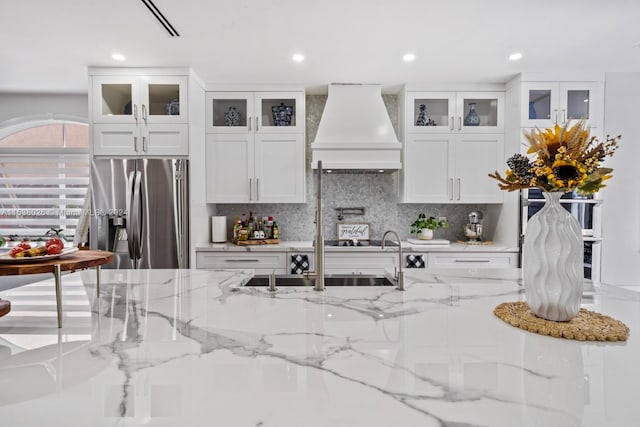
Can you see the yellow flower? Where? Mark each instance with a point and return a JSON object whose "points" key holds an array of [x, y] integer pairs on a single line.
{"points": [[566, 174]]}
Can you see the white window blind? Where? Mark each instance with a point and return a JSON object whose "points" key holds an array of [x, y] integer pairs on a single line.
{"points": [[39, 192]]}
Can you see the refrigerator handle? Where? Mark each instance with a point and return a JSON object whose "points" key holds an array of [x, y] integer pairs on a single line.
{"points": [[137, 219], [130, 215], [179, 203]]}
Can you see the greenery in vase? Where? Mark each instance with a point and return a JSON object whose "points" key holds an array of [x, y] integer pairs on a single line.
{"points": [[430, 223]]}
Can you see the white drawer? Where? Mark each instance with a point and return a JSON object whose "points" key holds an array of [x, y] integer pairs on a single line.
{"points": [[262, 263], [359, 263], [473, 259]]}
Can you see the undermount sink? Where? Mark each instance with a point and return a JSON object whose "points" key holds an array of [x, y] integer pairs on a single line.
{"points": [[333, 280]]}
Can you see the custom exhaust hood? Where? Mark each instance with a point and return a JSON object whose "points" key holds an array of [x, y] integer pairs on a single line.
{"points": [[355, 131]]}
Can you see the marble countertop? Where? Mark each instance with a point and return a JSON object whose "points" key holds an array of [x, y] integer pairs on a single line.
{"points": [[197, 348], [307, 246]]}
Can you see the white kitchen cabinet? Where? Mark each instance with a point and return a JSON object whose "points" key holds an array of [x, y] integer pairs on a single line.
{"points": [[142, 140], [446, 112], [244, 168], [547, 103], [450, 168], [255, 112], [473, 259], [136, 99], [138, 112], [262, 263], [249, 158]]}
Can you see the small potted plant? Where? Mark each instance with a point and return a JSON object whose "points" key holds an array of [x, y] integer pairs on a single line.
{"points": [[424, 226]]}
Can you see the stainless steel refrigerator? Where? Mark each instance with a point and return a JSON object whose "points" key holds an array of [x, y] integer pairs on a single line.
{"points": [[140, 212]]}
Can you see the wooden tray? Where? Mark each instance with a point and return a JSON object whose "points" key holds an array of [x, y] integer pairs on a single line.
{"points": [[258, 242]]}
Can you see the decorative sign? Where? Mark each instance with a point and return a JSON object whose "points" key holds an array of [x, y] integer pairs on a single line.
{"points": [[354, 231]]}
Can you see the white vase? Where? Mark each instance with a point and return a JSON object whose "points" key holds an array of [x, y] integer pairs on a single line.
{"points": [[425, 234], [553, 262]]}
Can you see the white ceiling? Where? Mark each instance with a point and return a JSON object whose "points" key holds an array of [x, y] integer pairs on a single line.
{"points": [[47, 46]]}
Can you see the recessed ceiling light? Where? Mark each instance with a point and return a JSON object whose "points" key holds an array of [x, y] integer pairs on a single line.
{"points": [[118, 57], [298, 57], [408, 57], [329, 171], [381, 170], [515, 56]]}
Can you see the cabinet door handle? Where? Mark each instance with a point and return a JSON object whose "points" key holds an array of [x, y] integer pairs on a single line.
{"points": [[257, 124], [471, 260], [135, 112], [144, 113], [242, 260], [135, 143], [451, 121], [257, 188], [250, 189], [144, 144], [450, 189], [458, 188], [460, 123], [564, 115], [555, 120], [249, 124]]}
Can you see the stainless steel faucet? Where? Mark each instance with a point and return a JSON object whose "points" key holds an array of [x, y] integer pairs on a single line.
{"points": [[400, 274], [318, 274]]}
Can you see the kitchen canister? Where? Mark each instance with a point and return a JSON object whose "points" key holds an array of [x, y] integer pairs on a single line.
{"points": [[218, 229]]}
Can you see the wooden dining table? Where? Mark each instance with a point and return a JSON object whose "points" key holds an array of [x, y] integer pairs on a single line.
{"points": [[79, 260]]}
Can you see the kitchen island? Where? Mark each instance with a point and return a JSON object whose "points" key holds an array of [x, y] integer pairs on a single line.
{"points": [[197, 348]]}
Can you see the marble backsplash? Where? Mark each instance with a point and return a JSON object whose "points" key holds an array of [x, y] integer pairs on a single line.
{"points": [[377, 193]]}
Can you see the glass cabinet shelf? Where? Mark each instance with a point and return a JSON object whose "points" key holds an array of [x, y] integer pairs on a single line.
{"points": [[116, 99], [139, 99], [241, 112], [164, 99], [467, 112], [229, 112]]}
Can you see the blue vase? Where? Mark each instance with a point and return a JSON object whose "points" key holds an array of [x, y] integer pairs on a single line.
{"points": [[472, 118]]}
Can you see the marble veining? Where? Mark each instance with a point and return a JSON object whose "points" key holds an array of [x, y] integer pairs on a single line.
{"points": [[199, 348]]}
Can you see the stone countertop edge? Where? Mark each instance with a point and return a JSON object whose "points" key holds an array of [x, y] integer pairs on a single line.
{"points": [[307, 247]]}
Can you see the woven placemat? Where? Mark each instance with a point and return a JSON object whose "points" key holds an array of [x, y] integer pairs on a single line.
{"points": [[586, 326]]}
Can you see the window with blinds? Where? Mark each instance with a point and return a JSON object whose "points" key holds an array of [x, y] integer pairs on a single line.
{"points": [[44, 177]]}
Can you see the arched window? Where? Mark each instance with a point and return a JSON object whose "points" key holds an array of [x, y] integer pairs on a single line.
{"points": [[44, 176]]}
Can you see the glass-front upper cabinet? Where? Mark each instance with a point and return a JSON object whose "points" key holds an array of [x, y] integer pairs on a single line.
{"points": [[548, 103], [255, 112], [139, 99], [445, 112]]}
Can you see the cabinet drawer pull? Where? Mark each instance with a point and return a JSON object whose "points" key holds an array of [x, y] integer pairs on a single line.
{"points": [[242, 260], [471, 260]]}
